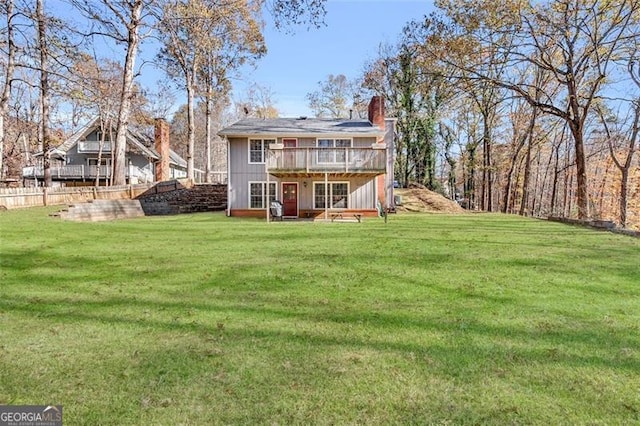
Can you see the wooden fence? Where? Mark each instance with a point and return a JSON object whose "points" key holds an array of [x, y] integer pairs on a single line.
{"points": [[11, 198]]}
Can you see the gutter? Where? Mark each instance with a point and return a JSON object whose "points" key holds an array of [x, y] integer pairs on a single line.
{"points": [[344, 135]]}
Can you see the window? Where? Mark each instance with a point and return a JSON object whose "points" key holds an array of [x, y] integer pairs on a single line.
{"points": [[258, 194], [94, 161], [333, 155], [290, 143], [99, 136], [257, 150], [338, 195]]}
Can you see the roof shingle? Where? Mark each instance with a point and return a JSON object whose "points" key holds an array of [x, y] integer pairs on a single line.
{"points": [[301, 127]]}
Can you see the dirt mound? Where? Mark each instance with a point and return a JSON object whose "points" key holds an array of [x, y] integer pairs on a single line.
{"points": [[422, 200]]}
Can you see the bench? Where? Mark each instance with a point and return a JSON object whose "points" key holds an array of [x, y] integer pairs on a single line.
{"points": [[343, 215]]}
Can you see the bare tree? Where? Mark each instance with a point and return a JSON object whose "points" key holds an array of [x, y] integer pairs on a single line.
{"points": [[574, 40], [336, 97], [295, 12], [622, 147], [122, 21], [195, 36], [258, 101], [45, 133], [9, 68]]}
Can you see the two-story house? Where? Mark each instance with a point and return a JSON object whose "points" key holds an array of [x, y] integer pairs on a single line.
{"points": [[87, 155], [315, 167]]}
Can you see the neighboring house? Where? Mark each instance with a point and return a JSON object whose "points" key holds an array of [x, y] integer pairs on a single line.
{"points": [[75, 161], [315, 167]]}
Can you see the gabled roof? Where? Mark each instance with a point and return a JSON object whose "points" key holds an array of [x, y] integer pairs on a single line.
{"points": [[138, 141], [79, 135], [176, 160], [301, 127]]}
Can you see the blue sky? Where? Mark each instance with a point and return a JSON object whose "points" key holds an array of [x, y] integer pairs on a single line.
{"points": [[295, 63]]}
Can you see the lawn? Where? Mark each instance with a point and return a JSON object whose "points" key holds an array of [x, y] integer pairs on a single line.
{"points": [[203, 319]]}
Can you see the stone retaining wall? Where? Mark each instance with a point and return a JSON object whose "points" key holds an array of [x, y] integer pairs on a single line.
{"points": [[174, 198], [605, 225]]}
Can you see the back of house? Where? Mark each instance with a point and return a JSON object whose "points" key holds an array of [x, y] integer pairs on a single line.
{"points": [[315, 167]]}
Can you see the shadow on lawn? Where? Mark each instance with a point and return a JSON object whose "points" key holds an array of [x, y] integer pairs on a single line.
{"points": [[255, 299], [473, 341]]}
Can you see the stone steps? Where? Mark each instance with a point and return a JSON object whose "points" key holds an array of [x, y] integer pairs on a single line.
{"points": [[199, 198], [101, 210]]}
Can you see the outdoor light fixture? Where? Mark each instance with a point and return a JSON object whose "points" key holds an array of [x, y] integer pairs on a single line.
{"points": [[304, 183]]}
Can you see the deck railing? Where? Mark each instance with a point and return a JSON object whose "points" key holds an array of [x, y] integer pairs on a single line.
{"points": [[82, 171], [93, 146], [332, 160]]}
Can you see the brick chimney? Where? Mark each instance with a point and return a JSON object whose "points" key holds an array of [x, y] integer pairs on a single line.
{"points": [[376, 117], [161, 139], [376, 112]]}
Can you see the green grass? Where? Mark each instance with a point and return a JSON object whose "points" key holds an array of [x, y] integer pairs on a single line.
{"points": [[203, 319]]}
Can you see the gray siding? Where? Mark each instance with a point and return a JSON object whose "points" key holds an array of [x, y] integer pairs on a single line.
{"points": [[362, 191], [74, 158], [363, 142], [242, 173], [362, 194]]}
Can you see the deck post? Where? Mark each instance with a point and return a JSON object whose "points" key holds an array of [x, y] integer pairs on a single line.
{"points": [[346, 160], [268, 204], [326, 196]]}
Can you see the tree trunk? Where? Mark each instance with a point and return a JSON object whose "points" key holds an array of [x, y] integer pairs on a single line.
{"points": [[487, 175], [543, 188], [624, 184], [535, 200], [101, 148], [470, 189], [191, 133], [6, 89], [208, 112], [554, 185], [524, 203], [514, 157], [582, 199], [44, 93], [119, 148], [405, 168]]}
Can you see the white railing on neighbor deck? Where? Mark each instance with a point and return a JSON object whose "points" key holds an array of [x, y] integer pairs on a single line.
{"points": [[85, 172]]}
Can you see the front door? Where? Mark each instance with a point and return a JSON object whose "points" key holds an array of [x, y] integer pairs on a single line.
{"points": [[290, 199]]}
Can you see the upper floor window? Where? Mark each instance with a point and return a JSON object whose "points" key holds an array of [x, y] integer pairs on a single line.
{"points": [[333, 155], [258, 149], [99, 136], [103, 161]]}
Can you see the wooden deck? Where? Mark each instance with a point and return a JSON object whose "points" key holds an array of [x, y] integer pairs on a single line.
{"points": [[309, 162]]}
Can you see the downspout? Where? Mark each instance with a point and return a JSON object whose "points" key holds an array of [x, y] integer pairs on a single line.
{"points": [[228, 177]]}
